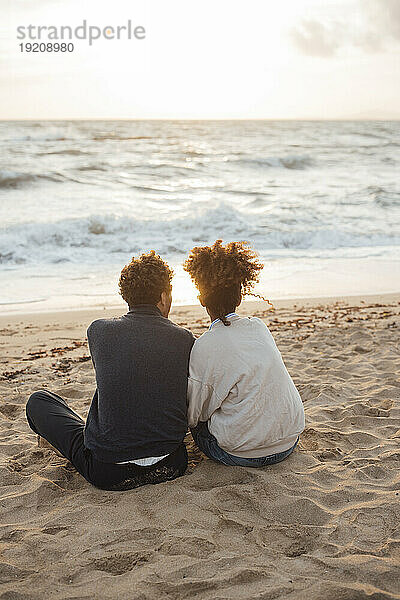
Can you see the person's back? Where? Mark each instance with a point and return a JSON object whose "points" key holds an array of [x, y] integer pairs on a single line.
{"points": [[137, 420], [254, 409], [141, 363], [244, 408]]}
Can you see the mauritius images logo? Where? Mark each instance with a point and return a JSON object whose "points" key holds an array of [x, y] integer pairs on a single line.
{"points": [[84, 31]]}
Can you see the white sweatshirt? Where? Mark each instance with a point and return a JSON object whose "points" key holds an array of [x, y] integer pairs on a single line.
{"points": [[239, 384]]}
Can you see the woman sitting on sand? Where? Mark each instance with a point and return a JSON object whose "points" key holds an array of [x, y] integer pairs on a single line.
{"points": [[244, 408]]}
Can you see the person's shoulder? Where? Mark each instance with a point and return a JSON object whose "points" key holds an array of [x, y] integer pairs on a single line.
{"points": [[203, 343], [212, 346], [261, 329], [257, 322], [260, 325], [181, 331], [102, 324]]}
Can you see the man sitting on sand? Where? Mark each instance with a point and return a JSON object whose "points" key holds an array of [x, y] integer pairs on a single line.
{"points": [[138, 417], [244, 408]]}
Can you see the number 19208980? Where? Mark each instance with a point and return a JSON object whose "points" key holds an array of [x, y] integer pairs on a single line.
{"points": [[46, 47]]}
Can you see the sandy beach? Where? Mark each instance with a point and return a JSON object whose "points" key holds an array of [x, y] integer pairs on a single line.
{"points": [[324, 524]]}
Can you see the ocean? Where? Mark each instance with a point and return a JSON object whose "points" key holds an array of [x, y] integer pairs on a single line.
{"points": [[319, 201]]}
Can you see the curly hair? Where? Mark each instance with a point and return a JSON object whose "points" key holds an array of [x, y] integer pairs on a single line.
{"points": [[223, 275], [144, 279]]}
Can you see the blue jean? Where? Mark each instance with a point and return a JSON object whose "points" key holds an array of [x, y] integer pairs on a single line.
{"points": [[209, 445]]}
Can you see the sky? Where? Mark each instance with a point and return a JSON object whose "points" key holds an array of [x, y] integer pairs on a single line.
{"points": [[214, 59]]}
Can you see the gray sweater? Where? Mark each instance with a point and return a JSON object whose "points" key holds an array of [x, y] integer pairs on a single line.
{"points": [[139, 408]]}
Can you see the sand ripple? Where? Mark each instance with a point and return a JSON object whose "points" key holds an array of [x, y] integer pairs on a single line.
{"points": [[322, 525]]}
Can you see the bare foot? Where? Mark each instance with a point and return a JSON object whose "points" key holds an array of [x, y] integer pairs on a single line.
{"points": [[42, 443]]}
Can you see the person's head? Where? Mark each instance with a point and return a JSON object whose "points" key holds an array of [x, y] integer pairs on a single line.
{"points": [[223, 275], [147, 280]]}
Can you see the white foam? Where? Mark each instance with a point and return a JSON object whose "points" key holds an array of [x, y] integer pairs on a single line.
{"points": [[81, 198]]}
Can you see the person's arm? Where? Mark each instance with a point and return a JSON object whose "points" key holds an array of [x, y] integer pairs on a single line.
{"points": [[203, 401]]}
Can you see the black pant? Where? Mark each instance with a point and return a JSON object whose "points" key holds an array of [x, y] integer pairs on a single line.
{"points": [[50, 417]]}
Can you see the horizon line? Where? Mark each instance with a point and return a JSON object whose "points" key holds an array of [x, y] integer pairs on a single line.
{"points": [[7, 120]]}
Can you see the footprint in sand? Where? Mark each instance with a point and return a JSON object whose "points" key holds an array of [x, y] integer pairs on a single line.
{"points": [[309, 439], [233, 527], [330, 454], [16, 596], [290, 540], [233, 500], [15, 535], [10, 572], [53, 530], [362, 349], [10, 411], [209, 476], [117, 564], [189, 546]]}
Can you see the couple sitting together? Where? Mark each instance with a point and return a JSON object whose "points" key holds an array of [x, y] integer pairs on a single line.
{"points": [[154, 379]]}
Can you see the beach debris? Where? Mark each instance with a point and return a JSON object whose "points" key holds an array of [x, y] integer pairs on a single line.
{"points": [[10, 375], [63, 349]]}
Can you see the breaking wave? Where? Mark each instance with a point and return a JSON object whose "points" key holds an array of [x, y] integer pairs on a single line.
{"points": [[110, 239]]}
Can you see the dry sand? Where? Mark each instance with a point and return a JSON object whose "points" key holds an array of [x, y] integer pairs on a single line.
{"points": [[322, 525]]}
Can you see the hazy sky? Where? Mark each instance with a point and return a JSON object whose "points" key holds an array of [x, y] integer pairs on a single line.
{"points": [[209, 59]]}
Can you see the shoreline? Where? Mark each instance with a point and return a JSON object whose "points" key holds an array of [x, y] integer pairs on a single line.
{"points": [[282, 280], [178, 311]]}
